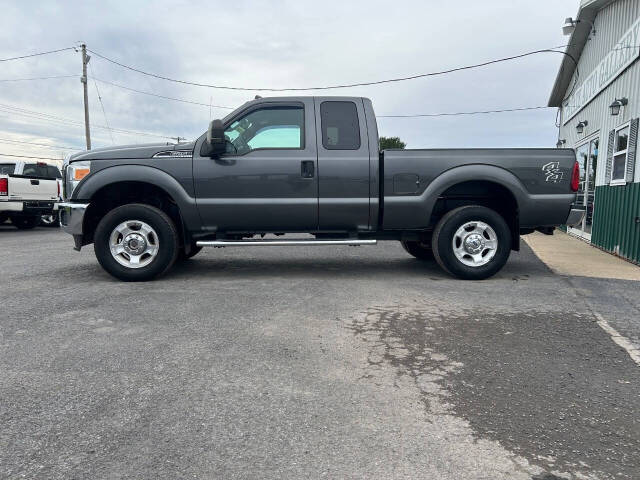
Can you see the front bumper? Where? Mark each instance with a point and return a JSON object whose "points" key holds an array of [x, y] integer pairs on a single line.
{"points": [[575, 216], [72, 217]]}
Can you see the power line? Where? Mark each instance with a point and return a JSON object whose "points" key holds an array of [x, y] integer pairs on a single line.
{"points": [[330, 87], [102, 105], [160, 96], [463, 113], [36, 78], [27, 156], [36, 54], [7, 140], [62, 120]]}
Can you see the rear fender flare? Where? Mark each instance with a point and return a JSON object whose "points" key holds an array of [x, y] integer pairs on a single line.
{"points": [[415, 212], [469, 173]]}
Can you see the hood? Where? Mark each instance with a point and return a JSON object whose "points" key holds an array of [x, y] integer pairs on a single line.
{"points": [[139, 150]]}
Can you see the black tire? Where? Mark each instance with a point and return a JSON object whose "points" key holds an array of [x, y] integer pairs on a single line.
{"points": [[444, 235], [417, 249], [25, 223], [51, 221], [167, 236], [192, 253], [3, 218]]}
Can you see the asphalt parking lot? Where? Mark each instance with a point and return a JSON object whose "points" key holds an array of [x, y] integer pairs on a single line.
{"points": [[328, 362]]}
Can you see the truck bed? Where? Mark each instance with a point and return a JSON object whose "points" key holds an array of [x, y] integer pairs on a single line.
{"points": [[538, 178]]}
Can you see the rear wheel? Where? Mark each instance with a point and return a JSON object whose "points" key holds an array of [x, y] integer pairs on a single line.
{"points": [[136, 242], [25, 223], [472, 242], [418, 249]]}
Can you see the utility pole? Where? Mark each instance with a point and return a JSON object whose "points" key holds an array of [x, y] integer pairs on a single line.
{"points": [[85, 60]]}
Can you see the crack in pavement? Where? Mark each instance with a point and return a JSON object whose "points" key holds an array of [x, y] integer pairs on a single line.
{"points": [[533, 382]]}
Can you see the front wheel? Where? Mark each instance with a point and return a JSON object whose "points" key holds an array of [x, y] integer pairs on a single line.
{"points": [[472, 242], [136, 242]]}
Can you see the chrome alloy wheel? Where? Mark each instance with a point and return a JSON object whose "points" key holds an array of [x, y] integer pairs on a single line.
{"points": [[134, 244], [475, 244]]}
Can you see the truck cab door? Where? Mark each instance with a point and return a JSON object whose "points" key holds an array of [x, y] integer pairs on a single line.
{"points": [[267, 179], [343, 165]]}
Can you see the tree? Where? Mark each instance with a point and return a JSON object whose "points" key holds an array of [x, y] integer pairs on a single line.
{"points": [[391, 142]]}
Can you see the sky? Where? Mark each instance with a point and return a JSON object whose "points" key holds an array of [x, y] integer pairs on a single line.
{"points": [[277, 44]]}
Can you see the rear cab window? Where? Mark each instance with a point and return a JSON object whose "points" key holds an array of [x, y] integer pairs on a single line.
{"points": [[7, 168], [42, 170], [340, 125]]}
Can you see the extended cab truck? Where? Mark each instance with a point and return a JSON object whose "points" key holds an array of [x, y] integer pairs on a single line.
{"points": [[28, 192], [311, 165]]}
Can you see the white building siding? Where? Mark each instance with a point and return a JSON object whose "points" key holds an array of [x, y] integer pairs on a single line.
{"points": [[611, 24]]}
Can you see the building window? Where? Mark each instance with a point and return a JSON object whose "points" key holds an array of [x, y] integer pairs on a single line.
{"points": [[619, 164]]}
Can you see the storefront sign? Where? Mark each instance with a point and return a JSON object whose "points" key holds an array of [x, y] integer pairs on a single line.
{"points": [[625, 52]]}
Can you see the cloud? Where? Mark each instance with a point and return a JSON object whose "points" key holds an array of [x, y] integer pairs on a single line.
{"points": [[283, 43]]}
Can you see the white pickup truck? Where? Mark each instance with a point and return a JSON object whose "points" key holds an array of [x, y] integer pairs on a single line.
{"points": [[29, 193]]}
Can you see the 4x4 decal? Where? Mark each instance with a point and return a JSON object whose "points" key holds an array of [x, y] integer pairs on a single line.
{"points": [[552, 172]]}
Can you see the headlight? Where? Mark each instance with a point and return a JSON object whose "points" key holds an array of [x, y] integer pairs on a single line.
{"points": [[73, 174]]}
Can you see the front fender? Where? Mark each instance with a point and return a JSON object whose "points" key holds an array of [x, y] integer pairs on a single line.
{"points": [[144, 174]]}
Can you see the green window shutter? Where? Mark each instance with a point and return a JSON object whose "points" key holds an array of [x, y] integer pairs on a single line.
{"points": [[609, 171], [631, 153]]}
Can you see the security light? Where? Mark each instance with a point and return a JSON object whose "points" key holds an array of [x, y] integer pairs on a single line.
{"points": [[561, 143], [580, 127], [617, 105], [570, 25]]}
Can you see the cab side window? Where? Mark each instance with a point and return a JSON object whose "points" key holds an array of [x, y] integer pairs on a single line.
{"points": [[340, 125], [268, 127]]}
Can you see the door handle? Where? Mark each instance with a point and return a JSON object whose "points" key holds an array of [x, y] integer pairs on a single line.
{"points": [[307, 168], [35, 182]]}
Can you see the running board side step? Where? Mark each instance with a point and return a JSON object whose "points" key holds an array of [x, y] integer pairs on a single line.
{"points": [[280, 243]]}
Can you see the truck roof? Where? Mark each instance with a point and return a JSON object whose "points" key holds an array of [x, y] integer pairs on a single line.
{"points": [[296, 98]]}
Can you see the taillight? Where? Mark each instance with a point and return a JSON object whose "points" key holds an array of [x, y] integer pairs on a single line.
{"points": [[575, 177], [4, 187], [58, 183]]}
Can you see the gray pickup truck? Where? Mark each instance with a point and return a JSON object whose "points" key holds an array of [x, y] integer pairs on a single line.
{"points": [[311, 165]]}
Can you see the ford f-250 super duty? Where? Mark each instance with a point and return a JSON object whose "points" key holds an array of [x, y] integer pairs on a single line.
{"points": [[311, 165]]}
